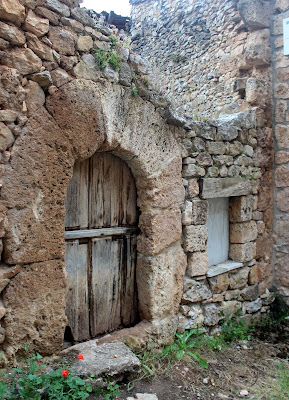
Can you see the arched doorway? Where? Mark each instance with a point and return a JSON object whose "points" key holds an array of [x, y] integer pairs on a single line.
{"points": [[100, 234]]}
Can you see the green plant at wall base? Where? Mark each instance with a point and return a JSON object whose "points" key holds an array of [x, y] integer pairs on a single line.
{"points": [[183, 348], [103, 58]]}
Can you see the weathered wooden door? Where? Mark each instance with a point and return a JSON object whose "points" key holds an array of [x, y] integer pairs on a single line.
{"points": [[101, 224]]}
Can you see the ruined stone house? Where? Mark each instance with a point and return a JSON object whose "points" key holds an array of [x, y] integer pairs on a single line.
{"points": [[149, 192]]}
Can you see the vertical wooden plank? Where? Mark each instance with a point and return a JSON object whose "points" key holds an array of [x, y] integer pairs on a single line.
{"points": [[107, 187], [129, 306], [129, 199], [76, 201], [116, 190], [77, 306], [105, 286], [96, 210]]}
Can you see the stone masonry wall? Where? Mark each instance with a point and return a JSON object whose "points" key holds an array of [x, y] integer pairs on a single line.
{"points": [[57, 106], [209, 57], [221, 163], [280, 10], [212, 60]]}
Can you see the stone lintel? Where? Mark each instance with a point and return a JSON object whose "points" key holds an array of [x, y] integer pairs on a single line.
{"points": [[225, 187], [223, 267]]}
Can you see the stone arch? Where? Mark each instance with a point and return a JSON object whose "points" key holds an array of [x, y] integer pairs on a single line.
{"points": [[79, 119]]}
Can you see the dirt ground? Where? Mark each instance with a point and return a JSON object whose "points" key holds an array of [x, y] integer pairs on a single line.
{"points": [[248, 365]]}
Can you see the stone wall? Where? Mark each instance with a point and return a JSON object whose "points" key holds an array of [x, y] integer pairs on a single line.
{"points": [[59, 106], [221, 163], [208, 57], [212, 60], [280, 10]]}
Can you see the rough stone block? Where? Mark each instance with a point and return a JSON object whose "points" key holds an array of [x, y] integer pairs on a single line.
{"points": [[160, 281], [75, 25], [255, 91], [85, 69], [84, 43], [281, 91], [13, 11], [198, 264], [229, 308], [233, 295], [58, 7], [217, 147], [159, 230], [255, 13], [243, 232], [200, 210], [60, 77], [253, 306], [193, 188], [219, 283], [38, 26], [41, 281], [193, 170], [35, 97], [24, 60], [187, 213], [250, 293], [81, 16], [283, 200], [282, 136], [12, 34], [255, 275], [241, 208], [50, 15], [194, 317], [239, 279], [282, 176], [195, 291], [38, 47], [99, 359], [195, 238], [282, 157], [62, 40], [212, 314], [6, 137]]}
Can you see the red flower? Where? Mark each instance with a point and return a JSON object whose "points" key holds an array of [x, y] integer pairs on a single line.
{"points": [[80, 356], [65, 373]]}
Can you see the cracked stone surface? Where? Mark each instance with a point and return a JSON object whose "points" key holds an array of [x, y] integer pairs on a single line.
{"points": [[113, 359]]}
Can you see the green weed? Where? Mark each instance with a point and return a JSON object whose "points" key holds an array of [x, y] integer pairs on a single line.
{"points": [[30, 381], [110, 392], [134, 91], [183, 348], [113, 40], [103, 58], [281, 390]]}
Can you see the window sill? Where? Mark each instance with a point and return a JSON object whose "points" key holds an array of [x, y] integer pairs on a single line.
{"points": [[223, 267]]}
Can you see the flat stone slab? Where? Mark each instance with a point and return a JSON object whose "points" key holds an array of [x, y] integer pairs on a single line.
{"points": [[223, 267], [114, 359], [143, 396]]}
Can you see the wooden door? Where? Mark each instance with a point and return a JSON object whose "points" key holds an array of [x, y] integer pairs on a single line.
{"points": [[100, 257]]}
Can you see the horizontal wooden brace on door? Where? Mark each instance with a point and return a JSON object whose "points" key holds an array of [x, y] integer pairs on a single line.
{"points": [[95, 233]]}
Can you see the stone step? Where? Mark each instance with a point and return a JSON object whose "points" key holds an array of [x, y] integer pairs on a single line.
{"points": [[108, 359]]}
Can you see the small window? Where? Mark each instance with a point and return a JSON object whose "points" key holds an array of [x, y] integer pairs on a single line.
{"points": [[218, 230]]}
